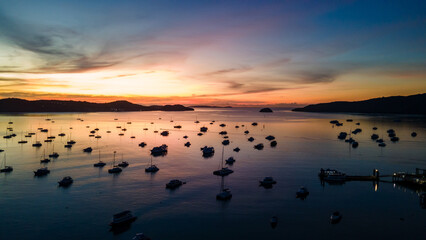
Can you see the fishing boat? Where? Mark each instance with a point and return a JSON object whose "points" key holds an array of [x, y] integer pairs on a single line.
{"points": [[152, 168], [99, 163], [66, 181], [115, 168], [5, 168]]}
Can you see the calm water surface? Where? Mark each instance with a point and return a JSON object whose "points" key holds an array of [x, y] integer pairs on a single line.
{"points": [[36, 208]]}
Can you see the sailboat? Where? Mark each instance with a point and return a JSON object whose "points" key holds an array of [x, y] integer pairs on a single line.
{"points": [[152, 168], [6, 168], [99, 163], [224, 170], [22, 140], [225, 193], [196, 120], [53, 154], [123, 163], [37, 143], [44, 159], [114, 169]]}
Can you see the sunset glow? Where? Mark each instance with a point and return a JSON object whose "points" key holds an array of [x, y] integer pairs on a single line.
{"points": [[218, 53]]}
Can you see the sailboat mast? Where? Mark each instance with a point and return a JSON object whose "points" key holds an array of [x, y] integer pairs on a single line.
{"points": [[113, 164], [223, 149]]}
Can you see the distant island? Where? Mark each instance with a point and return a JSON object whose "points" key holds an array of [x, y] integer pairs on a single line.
{"points": [[414, 104], [21, 105], [206, 106]]}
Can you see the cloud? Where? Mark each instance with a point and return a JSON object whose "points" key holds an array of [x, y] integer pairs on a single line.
{"points": [[230, 70]]}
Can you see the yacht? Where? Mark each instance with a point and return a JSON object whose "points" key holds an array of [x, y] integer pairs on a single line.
{"points": [[224, 171], [185, 137], [178, 126], [41, 172], [200, 134], [225, 194], [273, 143], [250, 139], [342, 135], [237, 149], [223, 125], [121, 218], [374, 136], [142, 144], [66, 181], [254, 124], [246, 132], [175, 183], [225, 142], [61, 134], [223, 132], [37, 144], [203, 129], [187, 144], [54, 155], [165, 133], [123, 163]]}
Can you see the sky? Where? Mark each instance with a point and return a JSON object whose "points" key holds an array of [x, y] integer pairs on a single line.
{"points": [[239, 53]]}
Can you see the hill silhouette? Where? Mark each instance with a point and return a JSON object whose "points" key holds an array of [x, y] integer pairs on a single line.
{"points": [[22, 105], [414, 104]]}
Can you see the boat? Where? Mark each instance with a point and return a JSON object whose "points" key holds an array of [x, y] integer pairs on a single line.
{"points": [[246, 132], [161, 150], [274, 143], [394, 139], [165, 133], [99, 163], [61, 134], [302, 193], [114, 169], [54, 155], [42, 171], [259, 146], [141, 236], [224, 193], [254, 124], [273, 221], [22, 142], [185, 137], [270, 138], [267, 182], [225, 142], [5, 167], [250, 139], [374, 128], [173, 184], [142, 144], [223, 132], [122, 218], [335, 217], [98, 136], [207, 151], [123, 163], [224, 171], [413, 134], [355, 144], [88, 150], [71, 142], [48, 140], [152, 168], [230, 160], [203, 129], [382, 144], [342, 135], [222, 125], [177, 126], [68, 146], [44, 159], [37, 144], [237, 149], [187, 144], [374, 136], [200, 134], [335, 177], [66, 181]]}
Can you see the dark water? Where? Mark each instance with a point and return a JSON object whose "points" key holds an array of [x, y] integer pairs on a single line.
{"points": [[35, 208]]}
